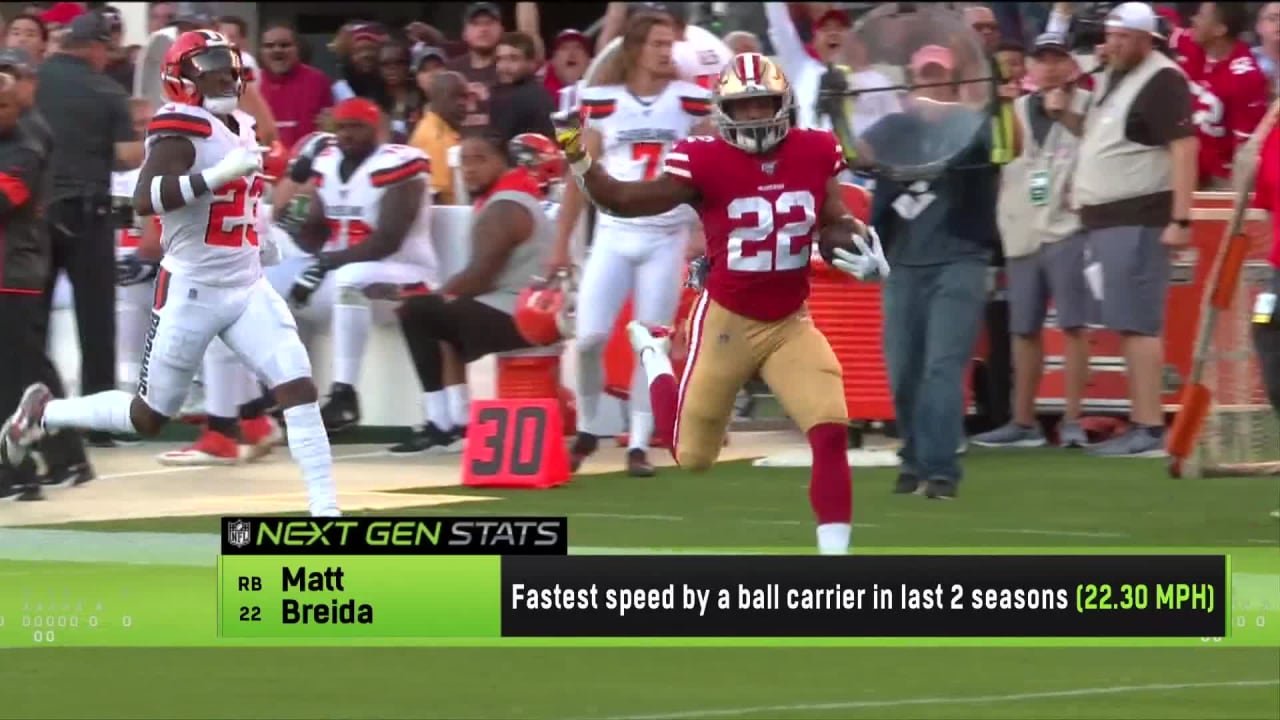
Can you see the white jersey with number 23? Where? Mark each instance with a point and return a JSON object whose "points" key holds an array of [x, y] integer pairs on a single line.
{"points": [[214, 239]]}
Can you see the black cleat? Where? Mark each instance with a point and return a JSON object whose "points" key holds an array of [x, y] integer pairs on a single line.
{"points": [[941, 489], [68, 475], [428, 439], [19, 483], [584, 446], [342, 411], [907, 484], [638, 464]]}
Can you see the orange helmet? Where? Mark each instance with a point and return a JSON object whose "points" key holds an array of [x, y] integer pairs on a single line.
{"points": [[540, 155], [544, 310], [190, 68], [275, 162]]}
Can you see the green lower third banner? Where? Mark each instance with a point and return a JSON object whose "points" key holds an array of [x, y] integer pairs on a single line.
{"points": [[471, 600]]}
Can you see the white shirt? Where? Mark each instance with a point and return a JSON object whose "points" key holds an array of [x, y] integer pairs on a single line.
{"points": [[805, 73], [353, 206], [637, 133]]}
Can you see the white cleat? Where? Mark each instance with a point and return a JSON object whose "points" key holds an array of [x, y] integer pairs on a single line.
{"points": [[23, 428], [644, 338]]}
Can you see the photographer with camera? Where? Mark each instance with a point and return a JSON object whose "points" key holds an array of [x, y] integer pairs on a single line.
{"points": [[1044, 252], [1133, 185]]}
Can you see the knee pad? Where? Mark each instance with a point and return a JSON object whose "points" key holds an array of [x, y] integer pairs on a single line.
{"points": [[289, 361], [220, 354]]}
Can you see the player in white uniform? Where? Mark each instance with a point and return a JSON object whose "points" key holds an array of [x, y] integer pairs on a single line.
{"points": [[633, 114], [370, 222], [135, 270], [698, 54], [202, 176]]}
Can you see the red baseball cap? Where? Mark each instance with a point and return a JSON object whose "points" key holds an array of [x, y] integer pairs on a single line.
{"points": [[835, 14], [571, 35], [62, 13]]}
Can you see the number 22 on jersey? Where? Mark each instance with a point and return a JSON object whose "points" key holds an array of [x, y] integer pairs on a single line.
{"points": [[233, 213], [758, 245]]}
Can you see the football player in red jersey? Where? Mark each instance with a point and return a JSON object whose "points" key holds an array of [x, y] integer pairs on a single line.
{"points": [[765, 192], [1229, 88]]}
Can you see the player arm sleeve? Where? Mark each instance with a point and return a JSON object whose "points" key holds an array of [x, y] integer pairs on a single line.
{"points": [[642, 198], [502, 225], [165, 183], [401, 204], [19, 173]]}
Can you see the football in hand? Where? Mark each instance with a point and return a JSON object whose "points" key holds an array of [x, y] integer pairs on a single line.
{"points": [[830, 239]]}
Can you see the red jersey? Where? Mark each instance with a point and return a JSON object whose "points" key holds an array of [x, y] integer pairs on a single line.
{"points": [[1267, 190], [760, 216], [1230, 99]]}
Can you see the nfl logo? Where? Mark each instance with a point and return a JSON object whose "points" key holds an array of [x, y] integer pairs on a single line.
{"points": [[769, 167], [238, 533]]}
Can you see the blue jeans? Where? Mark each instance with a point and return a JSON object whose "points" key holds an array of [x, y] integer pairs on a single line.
{"points": [[931, 318]]}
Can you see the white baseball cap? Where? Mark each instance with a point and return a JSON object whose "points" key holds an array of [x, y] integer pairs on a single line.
{"points": [[1136, 16]]}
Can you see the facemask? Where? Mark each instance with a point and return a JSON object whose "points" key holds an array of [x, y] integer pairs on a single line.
{"points": [[221, 105]]}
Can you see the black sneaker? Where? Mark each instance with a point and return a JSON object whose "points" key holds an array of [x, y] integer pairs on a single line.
{"points": [[429, 438], [941, 489], [638, 464], [907, 484], [342, 411], [19, 484], [584, 446], [68, 475], [11, 491], [100, 439]]}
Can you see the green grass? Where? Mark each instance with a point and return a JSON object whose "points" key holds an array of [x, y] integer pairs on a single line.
{"points": [[680, 684], [1032, 498]]}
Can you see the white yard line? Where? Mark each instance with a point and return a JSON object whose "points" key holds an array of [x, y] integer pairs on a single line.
{"points": [[1051, 533], [972, 700], [622, 516], [194, 468]]}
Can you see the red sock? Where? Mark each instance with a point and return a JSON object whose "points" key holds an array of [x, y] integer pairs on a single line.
{"points": [[664, 396], [831, 484]]}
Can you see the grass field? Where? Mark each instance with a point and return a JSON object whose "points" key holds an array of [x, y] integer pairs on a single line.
{"points": [[1023, 499]]}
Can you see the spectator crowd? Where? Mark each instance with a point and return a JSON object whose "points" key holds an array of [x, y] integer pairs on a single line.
{"points": [[1103, 123]]}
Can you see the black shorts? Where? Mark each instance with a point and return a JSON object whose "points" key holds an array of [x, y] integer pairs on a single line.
{"points": [[472, 328]]}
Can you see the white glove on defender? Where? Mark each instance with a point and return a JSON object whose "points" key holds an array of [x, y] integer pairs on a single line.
{"points": [[869, 263], [240, 162]]}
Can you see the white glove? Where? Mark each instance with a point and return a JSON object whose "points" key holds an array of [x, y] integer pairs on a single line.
{"points": [[869, 263], [240, 162], [268, 248]]}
